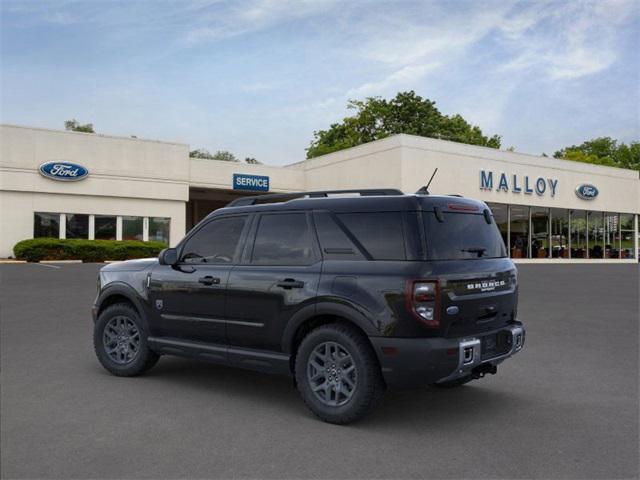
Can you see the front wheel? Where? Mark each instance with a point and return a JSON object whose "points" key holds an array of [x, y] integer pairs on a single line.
{"points": [[337, 374], [120, 341]]}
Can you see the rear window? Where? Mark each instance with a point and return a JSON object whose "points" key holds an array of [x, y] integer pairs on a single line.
{"points": [[462, 236]]}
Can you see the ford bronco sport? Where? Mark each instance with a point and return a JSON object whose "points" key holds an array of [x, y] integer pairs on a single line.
{"points": [[348, 294]]}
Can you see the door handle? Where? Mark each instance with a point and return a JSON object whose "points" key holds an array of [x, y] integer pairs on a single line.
{"points": [[289, 283], [209, 280]]}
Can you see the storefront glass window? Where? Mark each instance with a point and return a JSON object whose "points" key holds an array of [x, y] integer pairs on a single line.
{"points": [[46, 225], [540, 232], [501, 217], [159, 229], [611, 235], [627, 233], [596, 235], [519, 231], [105, 227], [559, 233], [132, 228], [578, 234], [77, 226]]}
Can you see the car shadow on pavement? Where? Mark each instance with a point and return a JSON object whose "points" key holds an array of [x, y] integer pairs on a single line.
{"points": [[413, 409]]}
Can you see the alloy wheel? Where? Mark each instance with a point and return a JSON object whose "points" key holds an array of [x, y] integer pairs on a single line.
{"points": [[332, 374]]}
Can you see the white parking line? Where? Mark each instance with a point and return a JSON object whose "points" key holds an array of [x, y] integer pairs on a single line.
{"points": [[47, 265]]}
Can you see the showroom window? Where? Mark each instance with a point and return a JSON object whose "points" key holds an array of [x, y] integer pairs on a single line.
{"points": [[105, 227], [159, 229], [578, 234], [77, 226], [626, 236], [595, 234], [519, 231], [132, 228], [539, 232], [46, 225], [559, 233], [611, 235]]}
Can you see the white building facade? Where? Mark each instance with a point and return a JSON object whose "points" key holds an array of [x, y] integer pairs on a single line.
{"points": [[76, 185]]}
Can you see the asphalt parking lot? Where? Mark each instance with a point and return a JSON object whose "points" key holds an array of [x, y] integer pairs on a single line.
{"points": [[566, 407]]}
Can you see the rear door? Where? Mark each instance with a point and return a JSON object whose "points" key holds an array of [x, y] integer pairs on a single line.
{"points": [[278, 276]]}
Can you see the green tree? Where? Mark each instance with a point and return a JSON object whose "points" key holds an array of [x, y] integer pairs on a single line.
{"points": [[74, 126], [224, 155], [219, 155], [201, 153], [377, 118], [252, 161], [604, 151]]}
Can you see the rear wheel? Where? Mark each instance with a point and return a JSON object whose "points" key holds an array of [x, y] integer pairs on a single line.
{"points": [[338, 374], [120, 341]]}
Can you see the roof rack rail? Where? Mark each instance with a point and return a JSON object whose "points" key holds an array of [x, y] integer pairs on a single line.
{"points": [[246, 201]]}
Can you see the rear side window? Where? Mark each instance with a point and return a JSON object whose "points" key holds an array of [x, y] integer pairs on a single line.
{"points": [[462, 236], [283, 239], [216, 242], [380, 233]]}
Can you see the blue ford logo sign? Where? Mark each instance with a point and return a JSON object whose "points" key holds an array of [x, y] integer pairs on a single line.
{"points": [[586, 191], [63, 171]]}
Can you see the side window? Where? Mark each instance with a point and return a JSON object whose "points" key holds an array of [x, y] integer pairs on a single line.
{"points": [[381, 234], [283, 239], [216, 242], [335, 243]]}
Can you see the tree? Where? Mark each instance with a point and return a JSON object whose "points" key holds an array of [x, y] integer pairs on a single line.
{"points": [[224, 156], [252, 161], [75, 126], [377, 118], [219, 155], [604, 151]]}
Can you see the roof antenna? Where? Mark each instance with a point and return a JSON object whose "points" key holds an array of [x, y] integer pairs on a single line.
{"points": [[425, 190]]}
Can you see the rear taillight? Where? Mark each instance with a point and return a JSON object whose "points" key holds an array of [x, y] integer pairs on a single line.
{"points": [[423, 300]]}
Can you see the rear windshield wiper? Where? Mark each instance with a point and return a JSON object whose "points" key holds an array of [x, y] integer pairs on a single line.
{"points": [[479, 250]]}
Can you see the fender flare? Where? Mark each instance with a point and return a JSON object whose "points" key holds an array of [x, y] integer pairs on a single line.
{"points": [[125, 290], [344, 310]]}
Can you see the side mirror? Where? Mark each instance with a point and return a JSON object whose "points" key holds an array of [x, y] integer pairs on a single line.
{"points": [[168, 256]]}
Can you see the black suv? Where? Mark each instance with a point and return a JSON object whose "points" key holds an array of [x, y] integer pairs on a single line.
{"points": [[348, 292]]}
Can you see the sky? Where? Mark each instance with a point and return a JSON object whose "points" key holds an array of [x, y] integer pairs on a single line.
{"points": [[258, 77]]}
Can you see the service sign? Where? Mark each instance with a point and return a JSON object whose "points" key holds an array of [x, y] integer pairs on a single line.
{"points": [[254, 183], [63, 171], [586, 191]]}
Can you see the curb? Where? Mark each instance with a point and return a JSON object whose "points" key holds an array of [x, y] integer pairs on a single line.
{"points": [[8, 261]]}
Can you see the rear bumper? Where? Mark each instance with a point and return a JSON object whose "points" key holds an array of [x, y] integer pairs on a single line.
{"points": [[414, 362]]}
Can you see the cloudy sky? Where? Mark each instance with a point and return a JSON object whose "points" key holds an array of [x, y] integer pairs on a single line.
{"points": [[258, 77]]}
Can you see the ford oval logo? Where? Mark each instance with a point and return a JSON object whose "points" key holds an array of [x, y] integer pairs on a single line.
{"points": [[64, 171], [586, 191]]}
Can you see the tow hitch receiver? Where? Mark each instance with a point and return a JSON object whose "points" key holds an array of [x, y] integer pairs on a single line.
{"points": [[484, 369]]}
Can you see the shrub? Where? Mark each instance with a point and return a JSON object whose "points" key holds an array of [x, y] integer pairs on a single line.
{"points": [[36, 249]]}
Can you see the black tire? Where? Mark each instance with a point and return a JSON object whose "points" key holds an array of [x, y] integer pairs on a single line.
{"points": [[368, 387], [143, 359], [458, 382]]}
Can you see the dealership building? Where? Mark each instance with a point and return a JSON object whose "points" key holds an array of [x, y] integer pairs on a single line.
{"points": [[78, 185]]}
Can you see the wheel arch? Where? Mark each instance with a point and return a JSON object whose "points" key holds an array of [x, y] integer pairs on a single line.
{"points": [[119, 293], [308, 319]]}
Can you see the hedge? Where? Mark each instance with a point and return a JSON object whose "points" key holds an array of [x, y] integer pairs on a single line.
{"points": [[36, 249]]}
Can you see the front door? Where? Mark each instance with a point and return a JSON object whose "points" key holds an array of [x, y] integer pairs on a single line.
{"points": [[278, 275], [188, 299]]}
